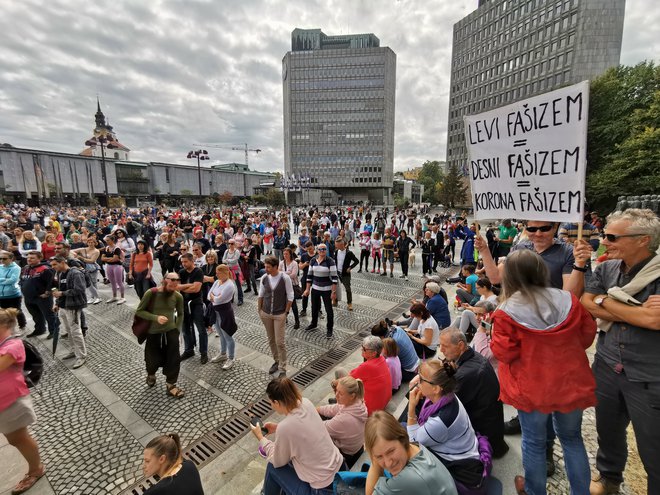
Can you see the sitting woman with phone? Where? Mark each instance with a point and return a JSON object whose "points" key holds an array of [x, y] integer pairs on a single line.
{"points": [[303, 458]]}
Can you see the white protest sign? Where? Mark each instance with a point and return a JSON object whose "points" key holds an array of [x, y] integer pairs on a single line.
{"points": [[527, 160]]}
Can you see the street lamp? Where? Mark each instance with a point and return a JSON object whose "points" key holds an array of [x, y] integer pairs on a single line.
{"points": [[101, 139], [200, 155]]}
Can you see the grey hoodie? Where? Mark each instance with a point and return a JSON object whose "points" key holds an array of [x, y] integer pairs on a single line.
{"points": [[553, 304]]}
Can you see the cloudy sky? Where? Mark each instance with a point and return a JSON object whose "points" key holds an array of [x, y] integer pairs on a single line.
{"points": [[171, 73]]}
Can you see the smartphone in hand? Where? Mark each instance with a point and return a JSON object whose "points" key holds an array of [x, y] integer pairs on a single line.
{"points": [[257, 422]]}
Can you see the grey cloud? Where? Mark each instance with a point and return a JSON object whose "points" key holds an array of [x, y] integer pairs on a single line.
{"points": [[178, 72]]}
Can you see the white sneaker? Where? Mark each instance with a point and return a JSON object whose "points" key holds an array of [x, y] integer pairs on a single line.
{"points": [[90, 301], [406, 277], [111, 300], [70, 355], [78, 363], [96, 301], [220, 358], [228, 364], [121, 301]]}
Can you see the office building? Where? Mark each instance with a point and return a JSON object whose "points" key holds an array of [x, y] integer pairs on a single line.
{"points": [[507, 51], [339, 94]]}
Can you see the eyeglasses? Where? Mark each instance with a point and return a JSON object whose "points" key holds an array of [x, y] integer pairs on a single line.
{"points": [[4, 259], [614, 237], [422, 379], [173, 279], [364, 349], [322, 249], [544, 228]]}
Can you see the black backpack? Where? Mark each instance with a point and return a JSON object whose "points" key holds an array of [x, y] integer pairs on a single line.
{"points": [[79, 265], [33, 366]]}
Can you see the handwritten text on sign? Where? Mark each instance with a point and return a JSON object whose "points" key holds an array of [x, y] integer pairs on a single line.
{"points": [[527, 160]]}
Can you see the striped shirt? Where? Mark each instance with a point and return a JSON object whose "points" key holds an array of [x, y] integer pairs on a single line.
{"points": [[322, 274]]}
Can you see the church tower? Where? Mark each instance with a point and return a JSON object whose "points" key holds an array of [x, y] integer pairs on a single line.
{"points": [[105, 136]]}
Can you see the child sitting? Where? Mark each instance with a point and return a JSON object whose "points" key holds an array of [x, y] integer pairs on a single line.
{"points": [[391, 354]]}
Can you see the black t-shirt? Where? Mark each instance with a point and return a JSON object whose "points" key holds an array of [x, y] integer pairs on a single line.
{"points": [[196, 275], [185, 481]]}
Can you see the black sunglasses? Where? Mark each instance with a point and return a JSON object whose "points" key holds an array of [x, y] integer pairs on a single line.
{"points": [[322, 249], [545, 228], [614, 237], [4, 259], [173, 279]]}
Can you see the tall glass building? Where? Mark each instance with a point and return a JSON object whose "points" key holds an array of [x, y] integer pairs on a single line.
{"points": [[339, 94], [509, 50]]}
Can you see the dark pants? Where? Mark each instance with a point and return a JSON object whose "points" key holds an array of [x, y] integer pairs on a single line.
{"points": [[621, 401], [317, 295], [406, 375], [193, 316], [403, 258], [364, 256], [346, 282], [423, 351], [14, 302], [438, 257], [252, 279], [162, 351], [41, 310], [427, 259], [239, 290], [141, 284], [351, 459]]}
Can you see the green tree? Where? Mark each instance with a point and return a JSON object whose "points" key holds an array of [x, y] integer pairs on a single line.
{"points": [[429, 176], [622, 140], [274, 197], [186, 192], [452, 190], [401, 202], [634, 159]]}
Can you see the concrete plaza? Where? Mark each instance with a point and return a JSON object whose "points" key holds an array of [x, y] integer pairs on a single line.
{"points": [[94, 422]]}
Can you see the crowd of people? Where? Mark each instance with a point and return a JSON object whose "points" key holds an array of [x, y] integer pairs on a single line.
{"points": [[525, 295]]}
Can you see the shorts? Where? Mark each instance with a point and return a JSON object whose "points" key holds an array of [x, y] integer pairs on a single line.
{"points": [[19, 415], [388, 255]]}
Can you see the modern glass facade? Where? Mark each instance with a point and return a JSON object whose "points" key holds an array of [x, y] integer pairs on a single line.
{"points": [[508, 50], [339, 94]]}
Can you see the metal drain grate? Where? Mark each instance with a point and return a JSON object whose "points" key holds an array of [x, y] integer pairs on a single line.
{"points": [[202, 451], [217, 441], [304, 377], [228, 433]]}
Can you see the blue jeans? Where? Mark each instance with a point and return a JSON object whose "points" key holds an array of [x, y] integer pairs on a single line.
{"points": [[285, 480], [227, 344], [534, 437]]}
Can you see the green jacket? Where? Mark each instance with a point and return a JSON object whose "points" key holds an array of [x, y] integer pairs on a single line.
{"points": [[164, 305]]}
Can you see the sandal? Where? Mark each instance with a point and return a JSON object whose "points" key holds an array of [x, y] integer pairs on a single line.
{"points": [[151, 380], [28, 481], [174, 391]]}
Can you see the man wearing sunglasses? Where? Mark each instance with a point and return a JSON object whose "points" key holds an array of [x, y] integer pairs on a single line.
{"points": [[624, 294], [567, 265]]}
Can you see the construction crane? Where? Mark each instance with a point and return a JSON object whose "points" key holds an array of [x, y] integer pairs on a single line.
{"points": [[235, 148]]}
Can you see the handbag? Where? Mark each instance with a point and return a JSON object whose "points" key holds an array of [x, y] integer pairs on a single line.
{"points": [[297, 292], [140, 325]]}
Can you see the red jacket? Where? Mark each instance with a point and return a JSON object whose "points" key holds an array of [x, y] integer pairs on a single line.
{"points": [[545, 370], [375, 375]]}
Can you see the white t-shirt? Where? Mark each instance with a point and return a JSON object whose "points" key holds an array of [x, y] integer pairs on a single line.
{"points": [[429, 323]]}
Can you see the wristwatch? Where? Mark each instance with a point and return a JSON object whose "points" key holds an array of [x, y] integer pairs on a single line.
{"points": [[599, 300]]}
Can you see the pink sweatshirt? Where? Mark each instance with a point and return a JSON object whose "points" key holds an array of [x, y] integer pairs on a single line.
{"points": [[481, 345], [346, 428], [303, 440]]}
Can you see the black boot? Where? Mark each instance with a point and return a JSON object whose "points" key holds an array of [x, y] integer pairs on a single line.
{"points": [[512, 427], [296, 326]]}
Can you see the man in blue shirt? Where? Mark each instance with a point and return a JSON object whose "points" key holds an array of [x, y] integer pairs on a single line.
{"points": [[467, 291]]}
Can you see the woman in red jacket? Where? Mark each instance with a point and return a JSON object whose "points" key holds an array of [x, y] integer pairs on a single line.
{"points": [[539, 337]]}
